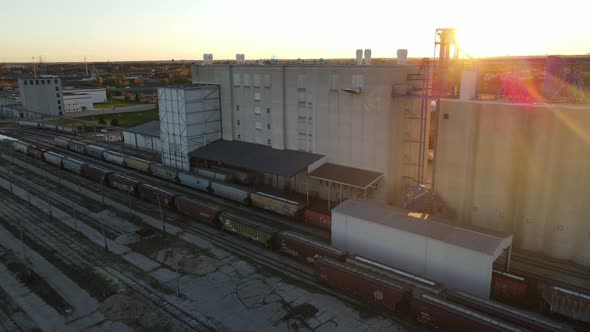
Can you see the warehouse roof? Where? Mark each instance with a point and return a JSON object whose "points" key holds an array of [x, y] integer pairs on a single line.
{"points": [[350, 176], [488, 242], [149, 128], [257, 157]]}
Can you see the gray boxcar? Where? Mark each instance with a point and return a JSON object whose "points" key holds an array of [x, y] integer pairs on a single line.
{"points": [[234, 192], [194, 181], [61, 142], [49, 126], [21, 146], [95, 151], [53, 158], [212, 174], [164, 172], [78, 146], [73, 165], [114, 157], [70, 130], [28, 124]]}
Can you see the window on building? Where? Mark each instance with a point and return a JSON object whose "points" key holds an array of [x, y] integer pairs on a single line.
{"points": [[31, 82], [60, 113], [58, 102], [36, 82], [42, 81], [57, 95], [268, 141], [57, 88], [258, 125], [257, 110], [25, 82], [55, 81], [237, 107], [268, 126], [268, 110], [238, 122], [59, 108], [239, 136]]}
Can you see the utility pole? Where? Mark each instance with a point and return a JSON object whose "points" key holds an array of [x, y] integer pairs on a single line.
{"points": [[161, 214]]}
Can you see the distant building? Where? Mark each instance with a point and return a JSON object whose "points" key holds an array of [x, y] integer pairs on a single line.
{"points": [[42, 95], [76, 102], [97, 95]]}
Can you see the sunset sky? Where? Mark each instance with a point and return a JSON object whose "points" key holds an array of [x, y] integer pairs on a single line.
{"points": [[61, 30]]}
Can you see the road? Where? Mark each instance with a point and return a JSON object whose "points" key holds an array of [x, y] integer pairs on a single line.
{"points": [[123, 109]]}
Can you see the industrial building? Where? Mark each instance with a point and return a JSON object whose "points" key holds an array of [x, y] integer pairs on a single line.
{"points": [[458, 257], [144, 137], [42, 95], [74, 102], [97, 95]]}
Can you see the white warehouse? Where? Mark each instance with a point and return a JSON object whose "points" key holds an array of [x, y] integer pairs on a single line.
{"points": [[345, 112], [461, 258]]}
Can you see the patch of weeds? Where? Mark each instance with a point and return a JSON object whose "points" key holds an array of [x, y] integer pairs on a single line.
{"points": [[304, 311]]}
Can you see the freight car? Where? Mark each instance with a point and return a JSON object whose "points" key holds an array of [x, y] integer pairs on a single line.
{"points": [[61, 142], [21, 147], [156, 195], [53, 158], [305, 248], [368, 287], [276, 204], [139, 164], [164, 172], [35, 152], [242, 177], [233, 192], [114, 157], [506, 313], [78, 146], [123, 183], [73, 165], [565, 302], [203, 212], [250, 229], [95, 173], [513, 289], [317, 219], [444, 315], [95, 151], [29, 124], [214, 175], [194, 181]]}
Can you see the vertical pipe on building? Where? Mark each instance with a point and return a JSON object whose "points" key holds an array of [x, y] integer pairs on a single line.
{"points": [[329, 194], [508, 258]]}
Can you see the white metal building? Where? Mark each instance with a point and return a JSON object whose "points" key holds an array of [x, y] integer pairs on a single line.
{"points": [[76, 102], [189, 118], [144, 137], [460, 258], [345, 112], [97, 95], [43, 95]]}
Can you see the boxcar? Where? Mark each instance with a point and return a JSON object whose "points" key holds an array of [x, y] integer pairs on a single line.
{"points": [[49, 126], [365, 286], [70, 130], [414, 282], [317, 219], [138, 164], [95, 151], [203, 212], [253, 230], [21, 146], [73, 165], [447, 316], [77, 146], [510, 288], [239, 176], [506, 313], [154, 194], [164, 172], [95, 173], [194, 181], [123, 183], [61, 142], [114, 157], [276, 204], [35, 152], [234, 192], [32, 124], [53, 158], [305, 248], [214, 175], [567, 303]]}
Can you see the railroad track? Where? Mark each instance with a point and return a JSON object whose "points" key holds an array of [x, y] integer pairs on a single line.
{"points": [[232, 244], [225, 204], [71, 252], [551, 264]]}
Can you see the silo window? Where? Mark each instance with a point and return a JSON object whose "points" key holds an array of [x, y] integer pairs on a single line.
{"points": [[237, 107], [268, 110], [268, 126], [238, 122], [268, 141]]}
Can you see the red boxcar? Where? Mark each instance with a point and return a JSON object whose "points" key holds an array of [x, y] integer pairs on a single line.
{"points": [[443, 315], [361, 284], [36, 152], [123, 183], [95, 173], [317, 219], [510, 288], [153, 194], [197, 210], [305, 248]]}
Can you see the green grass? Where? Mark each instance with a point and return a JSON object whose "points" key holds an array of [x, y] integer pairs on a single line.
{"points": [[126, 120], [116, 103]]}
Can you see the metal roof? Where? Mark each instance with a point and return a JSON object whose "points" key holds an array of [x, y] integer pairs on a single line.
{"points": [[483, 241], [257, 157], [350, 176], [149, 128]]}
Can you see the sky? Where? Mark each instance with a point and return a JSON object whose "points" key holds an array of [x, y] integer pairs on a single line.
{"points": [[126, 30]]}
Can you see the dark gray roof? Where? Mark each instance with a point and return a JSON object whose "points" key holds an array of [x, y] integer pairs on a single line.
{"points": [[350, 176], [257, 157], [488, 242], [149, 128]]}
